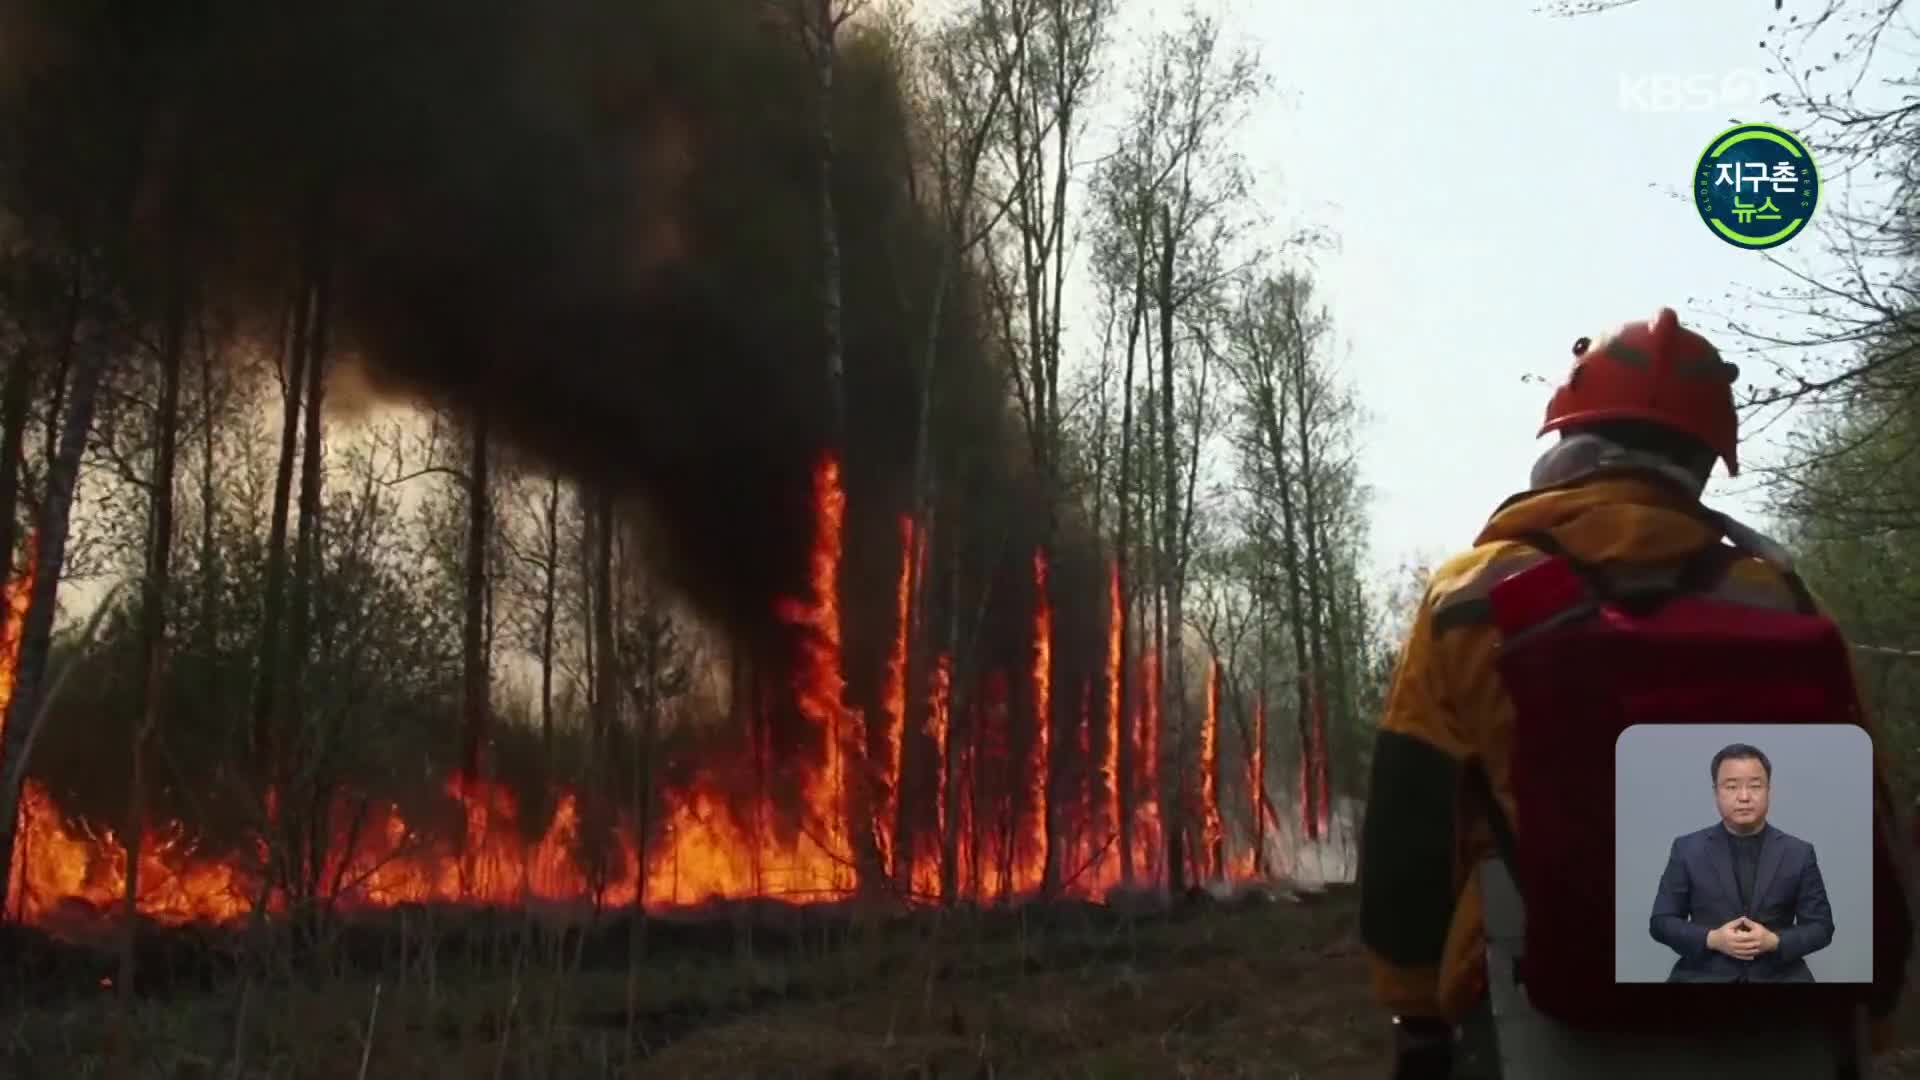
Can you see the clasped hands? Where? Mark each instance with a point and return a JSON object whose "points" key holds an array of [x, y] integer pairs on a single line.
{"points": [[1742, 938]]}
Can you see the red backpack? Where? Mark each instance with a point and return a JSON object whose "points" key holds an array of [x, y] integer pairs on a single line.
{"points": [[1587, 653]]}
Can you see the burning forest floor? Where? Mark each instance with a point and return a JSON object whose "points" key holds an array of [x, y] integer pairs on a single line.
{"points": [[1261, 984]]}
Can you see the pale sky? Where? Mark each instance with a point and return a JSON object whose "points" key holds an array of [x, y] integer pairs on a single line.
{"points": [[1494, 199]]}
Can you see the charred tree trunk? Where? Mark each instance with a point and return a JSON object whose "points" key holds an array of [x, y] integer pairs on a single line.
{"points": [[548, 604], [1259, 749], [1124, 783], [210, 575], [589, 584], [920, 650], [57, 389], [916, 703], [606, 679], [153, 618], [36, 635], [1173, 713], [646, 699], [271, 666], [606, 686], [293, 708], [950, 834], [16, 407], [15, 397], [473, 650]]}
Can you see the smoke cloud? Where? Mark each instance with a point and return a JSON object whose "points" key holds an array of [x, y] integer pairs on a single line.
{"points": [[594, 222]]}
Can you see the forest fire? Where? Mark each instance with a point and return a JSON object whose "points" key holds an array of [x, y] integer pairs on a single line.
{"points": [[1110, 763], [1039, 763], [1211, 832], [893, 735], [984, 806], [1146, 756]]}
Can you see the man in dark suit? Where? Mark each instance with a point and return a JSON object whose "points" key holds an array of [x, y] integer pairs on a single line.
{"points": [[1741, 901]]}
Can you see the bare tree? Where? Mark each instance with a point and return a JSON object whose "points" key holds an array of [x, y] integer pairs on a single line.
{"points": [[1051, 52]]}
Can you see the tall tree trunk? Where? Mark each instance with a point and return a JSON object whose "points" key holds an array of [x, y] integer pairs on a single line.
{"points": [[271, 667], [293, 707], [1339, 653], [1315, 576], [36, 635], [153, 618], [589, 586], [647, 701], [548, 603], [603, 763], [16, 406], [919, 644], [210, 576], [950, 835], [15, 398], [1272, 410], [606, 675], [1174, 711], [57, 389], [1259, 771], [1124, 783], [473, 650]]}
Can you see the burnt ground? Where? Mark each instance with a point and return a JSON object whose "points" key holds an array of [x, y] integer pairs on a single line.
{"points": [[1256, 987]]}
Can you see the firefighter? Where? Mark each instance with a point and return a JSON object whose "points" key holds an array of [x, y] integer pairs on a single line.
{"points": [[1643, 416]]}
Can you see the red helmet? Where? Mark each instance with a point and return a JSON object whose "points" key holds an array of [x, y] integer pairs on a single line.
{"points": [[1656, 371]]}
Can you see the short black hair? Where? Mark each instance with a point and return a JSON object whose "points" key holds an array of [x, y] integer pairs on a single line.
{"points": [[1652, 438], [1739, 751]]}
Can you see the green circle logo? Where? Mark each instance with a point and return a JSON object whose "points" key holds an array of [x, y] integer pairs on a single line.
{"points": [[1756, 186]]}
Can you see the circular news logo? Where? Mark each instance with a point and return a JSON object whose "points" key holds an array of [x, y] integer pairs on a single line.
{"points": [[1756, 186]]}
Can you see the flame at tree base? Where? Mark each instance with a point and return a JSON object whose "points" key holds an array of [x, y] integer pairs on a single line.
{"points": [[472, 843]]}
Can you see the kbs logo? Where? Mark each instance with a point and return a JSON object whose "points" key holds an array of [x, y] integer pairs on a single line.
{"points": [[1699, 92]]}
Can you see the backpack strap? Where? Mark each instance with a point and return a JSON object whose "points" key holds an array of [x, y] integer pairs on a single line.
{"points": [[1643, 591], [1749, 541], [1479, 789]]}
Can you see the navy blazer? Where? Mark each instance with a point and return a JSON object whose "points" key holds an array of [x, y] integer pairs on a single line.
{"points": [[1698, 892]]}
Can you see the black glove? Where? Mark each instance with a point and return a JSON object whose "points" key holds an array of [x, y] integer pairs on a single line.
{"points": [[1422, 1048]]}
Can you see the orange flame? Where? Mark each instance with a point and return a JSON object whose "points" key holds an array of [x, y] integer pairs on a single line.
{"points": [[1084, 817], [1147, 841], [1320, 760], [1257, 783], [16, 596], [1038, 763], [1110, 763], [470, 841], [896, 695], [927, 867], [1211, 830], [967, 775], [818, 681]]}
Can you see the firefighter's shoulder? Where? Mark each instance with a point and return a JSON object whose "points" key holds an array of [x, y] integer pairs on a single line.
{"points": [[1458, 589], [1762, 573]]}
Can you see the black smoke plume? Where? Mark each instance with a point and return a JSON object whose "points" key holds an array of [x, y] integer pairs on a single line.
{"points": [[594, 221]]}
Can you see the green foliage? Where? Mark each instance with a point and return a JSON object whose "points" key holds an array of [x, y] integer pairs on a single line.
{"points": [[1851, 514]]}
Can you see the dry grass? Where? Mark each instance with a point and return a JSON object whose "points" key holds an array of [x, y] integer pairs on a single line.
{"points": [[1259, 989], [1247, 990]]}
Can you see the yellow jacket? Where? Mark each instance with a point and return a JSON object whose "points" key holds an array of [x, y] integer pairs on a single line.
{"points": [[1420, 902]]}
